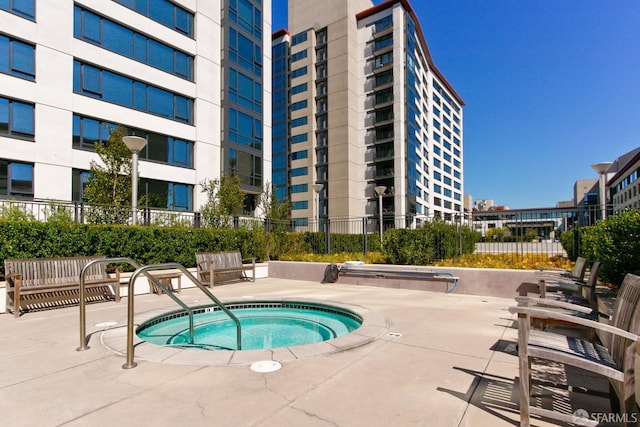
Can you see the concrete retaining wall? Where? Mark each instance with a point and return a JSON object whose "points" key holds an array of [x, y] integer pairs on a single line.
{"points": [[473, 281]]}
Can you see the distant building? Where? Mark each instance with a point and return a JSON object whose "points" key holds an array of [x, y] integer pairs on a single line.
{"points": [[624, 186], [191, 77], [367, 108], [585, 192]]}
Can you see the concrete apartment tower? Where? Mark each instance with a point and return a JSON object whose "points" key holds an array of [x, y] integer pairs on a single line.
{"points": [[367, 108], [192, 77]]}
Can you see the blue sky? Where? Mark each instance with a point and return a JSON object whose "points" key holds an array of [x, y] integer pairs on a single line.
{"points": [[550, 86]]}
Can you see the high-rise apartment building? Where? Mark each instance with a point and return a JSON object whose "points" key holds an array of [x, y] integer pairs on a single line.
{"points": [[367, 108], [192, 77]]}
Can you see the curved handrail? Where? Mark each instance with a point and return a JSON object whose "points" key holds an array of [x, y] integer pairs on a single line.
{"points": [[145, 271], [130, 350], [83, 310]]}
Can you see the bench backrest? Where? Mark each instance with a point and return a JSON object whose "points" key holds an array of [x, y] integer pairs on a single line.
{"points": [[626, 316], [590, 287], [52, 271], [219, 259], [579, 269]]}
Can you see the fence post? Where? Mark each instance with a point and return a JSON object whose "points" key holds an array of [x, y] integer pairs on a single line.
{"points": [[146, 216], [327, 236], [76, 212], [197, 219], [365, 248], [236, 222]]}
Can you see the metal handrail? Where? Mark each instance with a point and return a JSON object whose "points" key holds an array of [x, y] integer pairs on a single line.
{"points": [[83, 311], [130, 309], [130, 363]]}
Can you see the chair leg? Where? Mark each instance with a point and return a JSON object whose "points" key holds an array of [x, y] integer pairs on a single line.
{"points": [[524, 369]]}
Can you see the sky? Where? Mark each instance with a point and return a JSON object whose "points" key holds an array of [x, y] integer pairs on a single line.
{"points": [[550, 86]]}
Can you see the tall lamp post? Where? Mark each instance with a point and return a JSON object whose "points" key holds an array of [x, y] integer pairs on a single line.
{"points": [[135, 144], [602, 169], [318, 188], [380, 191]]}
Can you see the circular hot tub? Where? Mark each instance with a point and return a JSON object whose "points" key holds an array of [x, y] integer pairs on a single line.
{"points": [[264, 325]]}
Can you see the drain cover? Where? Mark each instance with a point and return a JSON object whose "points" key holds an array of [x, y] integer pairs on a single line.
{"points": [[105, 324], [265, 366]]}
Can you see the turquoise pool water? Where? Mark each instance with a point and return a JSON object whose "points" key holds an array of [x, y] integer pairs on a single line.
{"points": [[264, 325]]}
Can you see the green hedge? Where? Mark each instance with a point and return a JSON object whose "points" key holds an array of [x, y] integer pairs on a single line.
{"points": [[616, 243], [433, 242], [571, 241], [146, 245]]}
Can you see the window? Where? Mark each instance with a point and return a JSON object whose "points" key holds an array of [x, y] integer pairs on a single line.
{"points": [[78, 183], [303, 204], [383, 24], [88, 132], [298, 56], [17, 58], [244, 52], [245, 129], [299, 105], [299, 72], [17, 119], [299, 171], [247, 166], [296, 155], [118, 89], [300, 121], [383, 42], [299, 88], [300, 188], [382, 60], [248, 17], [245, 91], [167, 195], [100, 31], [384, 78], [164, 12], [299, 138], [16, 179], [23, 8], [298, 38]]}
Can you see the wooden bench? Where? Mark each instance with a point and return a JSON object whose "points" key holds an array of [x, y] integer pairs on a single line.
{"points": [[217, 267], [39, 283], [399, 273]]}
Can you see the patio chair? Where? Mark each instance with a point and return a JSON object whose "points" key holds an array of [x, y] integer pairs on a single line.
{"points": [[574, 292], [554, 274], [615, 361]]}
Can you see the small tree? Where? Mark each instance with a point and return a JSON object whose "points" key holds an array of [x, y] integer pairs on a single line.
{"points": [[277, 212], [225, 200], [108, 187]]}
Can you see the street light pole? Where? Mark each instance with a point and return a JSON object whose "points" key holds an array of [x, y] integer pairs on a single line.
{"points": [[135, 144], [602, 169], [318, 188], [380, 191]]}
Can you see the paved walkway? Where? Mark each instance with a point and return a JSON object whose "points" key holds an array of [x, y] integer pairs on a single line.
{"points": [[442, 360]]}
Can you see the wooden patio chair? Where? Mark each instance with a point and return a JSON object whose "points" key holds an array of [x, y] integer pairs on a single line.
{"points": [[615, 362]]}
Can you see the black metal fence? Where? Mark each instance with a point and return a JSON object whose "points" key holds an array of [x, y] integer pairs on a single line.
{"points": [[519, 232]]}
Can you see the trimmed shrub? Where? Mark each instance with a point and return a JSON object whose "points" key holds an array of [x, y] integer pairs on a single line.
{"points": [[434, 241], [616, 243], [146, 245]]}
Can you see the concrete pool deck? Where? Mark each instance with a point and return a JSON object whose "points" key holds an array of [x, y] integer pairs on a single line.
{"points": [[438, 360]]}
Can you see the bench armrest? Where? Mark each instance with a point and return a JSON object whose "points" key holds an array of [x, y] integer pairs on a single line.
{"points": [[541, 313], [543, 302]]}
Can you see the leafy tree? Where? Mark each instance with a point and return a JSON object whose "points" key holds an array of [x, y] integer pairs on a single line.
{"points": [[108, 187], [225, 200], [277, 212]]}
